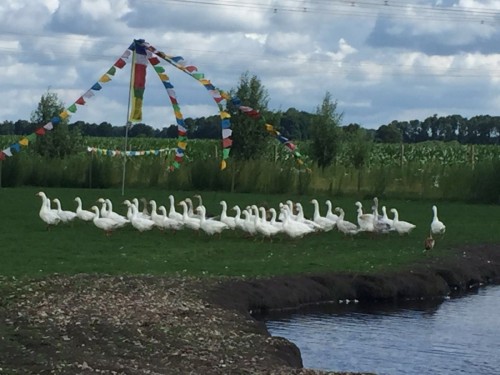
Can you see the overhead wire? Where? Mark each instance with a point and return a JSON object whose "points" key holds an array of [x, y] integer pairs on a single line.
{"points": [[326, 64]]}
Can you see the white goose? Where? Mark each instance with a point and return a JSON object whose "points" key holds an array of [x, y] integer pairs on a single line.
{"points": [[329, 211], [365, 221], [385, 219], [301, 218], [140, 223], [379, 225], [248, 224], [238, 220], [104, 223], [120, 219], [437, 226], [157, 218], [189, 221], [293, 228], [170, 223], [228, 220], [49, 216], [144, 214], [82, 214], [172, 213], [277, 224], [345, 226], [402, 227], [210, 227], [107, 212], [264, 227], [325, 223], [65, 215], [190, 206]]}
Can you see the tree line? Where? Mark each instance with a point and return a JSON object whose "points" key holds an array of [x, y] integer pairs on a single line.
{"points": [[298, 125]]}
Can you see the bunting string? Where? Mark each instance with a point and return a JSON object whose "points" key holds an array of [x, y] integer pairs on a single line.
{"points": [[82, 100], [143, 53], [109, 152], [219, 98], [253, 113], [181, 127]]}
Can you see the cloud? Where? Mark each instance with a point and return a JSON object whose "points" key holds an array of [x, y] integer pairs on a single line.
{"points": [[379, 62]]}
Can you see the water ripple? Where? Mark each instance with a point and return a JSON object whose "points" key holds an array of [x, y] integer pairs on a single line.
{"points": [[458, 336]]}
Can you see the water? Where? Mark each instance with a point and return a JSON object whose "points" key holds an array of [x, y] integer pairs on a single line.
{"points": [[457, 336]]}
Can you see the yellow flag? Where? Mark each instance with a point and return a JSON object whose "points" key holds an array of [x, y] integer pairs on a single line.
{"points": [[223, 165], [105, 78], [24, 142]]}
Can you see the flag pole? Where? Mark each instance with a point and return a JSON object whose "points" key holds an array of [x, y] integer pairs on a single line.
{"points": [[128, 123]]}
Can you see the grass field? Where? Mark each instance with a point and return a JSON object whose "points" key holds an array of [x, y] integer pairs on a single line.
{"points": [[27, 248]]}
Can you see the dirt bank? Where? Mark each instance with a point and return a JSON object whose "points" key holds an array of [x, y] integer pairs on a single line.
{"points": [[88, 324], [468, 267]]}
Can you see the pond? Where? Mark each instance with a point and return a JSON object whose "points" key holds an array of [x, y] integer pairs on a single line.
{"points": [[454, 336]]}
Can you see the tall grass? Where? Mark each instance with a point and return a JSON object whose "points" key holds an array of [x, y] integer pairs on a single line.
{"points": [[431, 180]]}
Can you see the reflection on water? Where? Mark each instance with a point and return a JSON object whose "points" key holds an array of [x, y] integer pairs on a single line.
{"points": [[457, 336]]}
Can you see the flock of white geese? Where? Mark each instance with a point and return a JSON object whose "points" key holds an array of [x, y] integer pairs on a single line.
{"points": [[260, 221]]}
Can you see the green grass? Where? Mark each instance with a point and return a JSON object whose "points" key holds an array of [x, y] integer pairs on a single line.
{"points": [[27, 248]]}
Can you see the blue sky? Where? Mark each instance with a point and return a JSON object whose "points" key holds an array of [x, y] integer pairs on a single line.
{"points": [[380, 60]]}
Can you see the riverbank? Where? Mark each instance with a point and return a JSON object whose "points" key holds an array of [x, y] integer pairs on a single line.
{"points": [[86, 324]]}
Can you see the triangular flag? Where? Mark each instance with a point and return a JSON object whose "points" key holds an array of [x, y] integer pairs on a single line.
{"points": [[24, 142], [104, 78], [15, 147], [96, 86], [72, 108], [2, 155], [223, 165], [7, 152], [64, 114], [48, 126], [120, 63], [40, 131], [80, 101], [111, 71], [89, 94]]}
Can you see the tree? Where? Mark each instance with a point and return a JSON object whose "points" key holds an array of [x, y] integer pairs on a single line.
{"points": [[325, 132], [249, 134], [60, 141], [388, 134]]}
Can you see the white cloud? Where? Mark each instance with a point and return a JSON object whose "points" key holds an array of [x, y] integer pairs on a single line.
{"points": [[380, 63]]}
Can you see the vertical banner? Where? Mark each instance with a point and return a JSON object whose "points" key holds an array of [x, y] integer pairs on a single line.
{"points": [[138, 81]]}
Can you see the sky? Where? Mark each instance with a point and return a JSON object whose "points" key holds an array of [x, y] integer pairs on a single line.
{"points": [[380, 60]]}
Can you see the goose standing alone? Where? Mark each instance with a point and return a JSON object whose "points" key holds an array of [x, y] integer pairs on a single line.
{"points": [[437, 226]]}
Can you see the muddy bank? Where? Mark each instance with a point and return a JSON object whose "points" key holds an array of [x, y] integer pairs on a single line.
{"points": [[89, 324], [468, 267]]}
